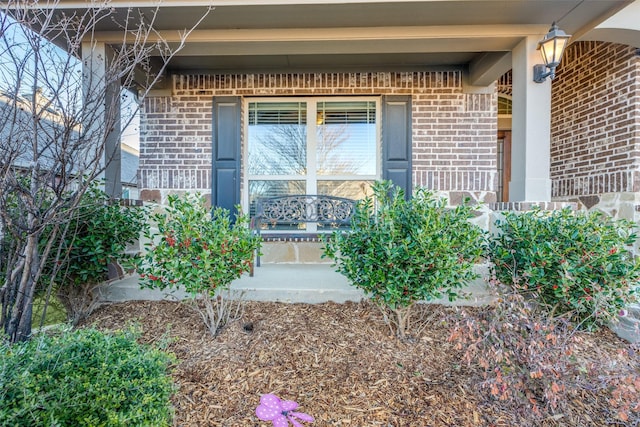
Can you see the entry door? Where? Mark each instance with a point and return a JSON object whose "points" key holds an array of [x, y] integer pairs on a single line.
{"points": [[504, 165]]}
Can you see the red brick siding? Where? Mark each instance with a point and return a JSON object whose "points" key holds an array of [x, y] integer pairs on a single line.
{"points": [[595, 125], [454, 133], [175, 143]]}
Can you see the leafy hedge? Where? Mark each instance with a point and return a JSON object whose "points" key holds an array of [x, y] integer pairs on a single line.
{"points": [[403, 251], [201, 250], [99, 231], [577, 264], [84, 378]]}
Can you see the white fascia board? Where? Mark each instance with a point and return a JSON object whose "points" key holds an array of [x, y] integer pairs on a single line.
{"points": [[341, 34]]}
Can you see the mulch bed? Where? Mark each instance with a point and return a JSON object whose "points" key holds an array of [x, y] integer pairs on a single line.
{"points": [[338, 361]]}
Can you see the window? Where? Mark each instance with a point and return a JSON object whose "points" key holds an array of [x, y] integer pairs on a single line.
{"points": [[504, 105], [311, 146]]}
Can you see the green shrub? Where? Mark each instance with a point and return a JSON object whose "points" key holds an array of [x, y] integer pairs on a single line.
{"points": [[99, 231], [576, 264], [403, 251], [199, 250], [80, 244], [84, 378]]}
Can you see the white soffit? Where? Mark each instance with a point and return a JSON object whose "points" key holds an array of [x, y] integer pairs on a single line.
{"points": [[623, 27]]}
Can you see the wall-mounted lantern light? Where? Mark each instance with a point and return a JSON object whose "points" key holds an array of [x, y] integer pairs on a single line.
{"points": [[551, 48]]}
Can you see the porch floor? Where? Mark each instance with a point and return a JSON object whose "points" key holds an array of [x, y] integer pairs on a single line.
{"points": [[293, 283]]}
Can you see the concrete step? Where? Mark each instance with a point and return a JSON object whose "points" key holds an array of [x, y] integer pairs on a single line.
{"points": [[128, 289], [294, 283], [308, 283]]}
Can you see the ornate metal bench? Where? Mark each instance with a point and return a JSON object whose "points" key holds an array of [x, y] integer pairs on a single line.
{"points": [[328, 211]]}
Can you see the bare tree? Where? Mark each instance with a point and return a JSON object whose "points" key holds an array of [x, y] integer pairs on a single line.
{"points": [[56, 115]]}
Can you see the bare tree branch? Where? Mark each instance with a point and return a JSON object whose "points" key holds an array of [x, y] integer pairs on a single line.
{"points": [[56, 115]]}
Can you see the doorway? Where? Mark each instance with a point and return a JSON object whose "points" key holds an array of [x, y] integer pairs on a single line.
{"points": [[504, 165]]}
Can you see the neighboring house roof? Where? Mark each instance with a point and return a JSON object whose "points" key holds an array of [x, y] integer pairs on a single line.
{"points": [[21, 106], [129, 165], [16, 109]]}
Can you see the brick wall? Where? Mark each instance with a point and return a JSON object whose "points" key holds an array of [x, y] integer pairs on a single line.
{"points": [[454, 133], [595, 129]]}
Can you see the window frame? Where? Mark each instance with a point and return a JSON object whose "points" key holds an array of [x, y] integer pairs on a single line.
{"points": [[311, 178]]}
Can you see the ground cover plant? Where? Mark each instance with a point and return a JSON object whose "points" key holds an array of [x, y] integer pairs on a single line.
{"points": [[578, 265], [342, 365], [84, 378], [47, 313], [202, 251], [401, 251]]}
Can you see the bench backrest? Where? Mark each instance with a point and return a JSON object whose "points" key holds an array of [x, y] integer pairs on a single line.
{"points": [[305, 208]]}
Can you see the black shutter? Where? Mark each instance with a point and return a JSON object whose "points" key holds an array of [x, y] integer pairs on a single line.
{"points": [[225, 185], [396, 141]]}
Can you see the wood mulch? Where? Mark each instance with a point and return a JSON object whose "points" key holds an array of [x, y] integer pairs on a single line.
{"points": [[338, 361]]}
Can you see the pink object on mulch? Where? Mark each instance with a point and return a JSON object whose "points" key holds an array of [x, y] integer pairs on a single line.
{"points": [[280, 412]]}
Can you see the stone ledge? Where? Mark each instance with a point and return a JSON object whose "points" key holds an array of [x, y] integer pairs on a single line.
{"points": [[628, 327], [527, 206], [272, 237]]}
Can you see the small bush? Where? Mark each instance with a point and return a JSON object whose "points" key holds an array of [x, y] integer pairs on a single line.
{"points": [[80, 245], [403, 251], [533, 365], [98, 233], [84, 378], [577, 264], [201, 251]]}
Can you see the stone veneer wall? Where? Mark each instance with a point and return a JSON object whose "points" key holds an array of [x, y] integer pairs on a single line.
{"points": [[595, 129], [454, 133]]}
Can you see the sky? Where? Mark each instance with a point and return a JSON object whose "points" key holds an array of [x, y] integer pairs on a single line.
{"points": [[18, 71]]}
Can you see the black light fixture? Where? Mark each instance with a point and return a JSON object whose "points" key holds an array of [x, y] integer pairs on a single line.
{"points": [[551, 48]]}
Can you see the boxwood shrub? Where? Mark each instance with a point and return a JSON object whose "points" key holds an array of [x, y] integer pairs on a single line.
{"points": [[84, 378]]}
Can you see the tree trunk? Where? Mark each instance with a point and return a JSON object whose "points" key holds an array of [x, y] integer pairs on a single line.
{"points": [[403, 315], [18, 328]]}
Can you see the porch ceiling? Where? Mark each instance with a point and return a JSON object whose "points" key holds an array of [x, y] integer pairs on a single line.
{"points": [[305, 35]]}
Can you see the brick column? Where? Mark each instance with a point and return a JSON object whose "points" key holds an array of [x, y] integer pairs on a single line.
{"points": [[531, 123]]}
